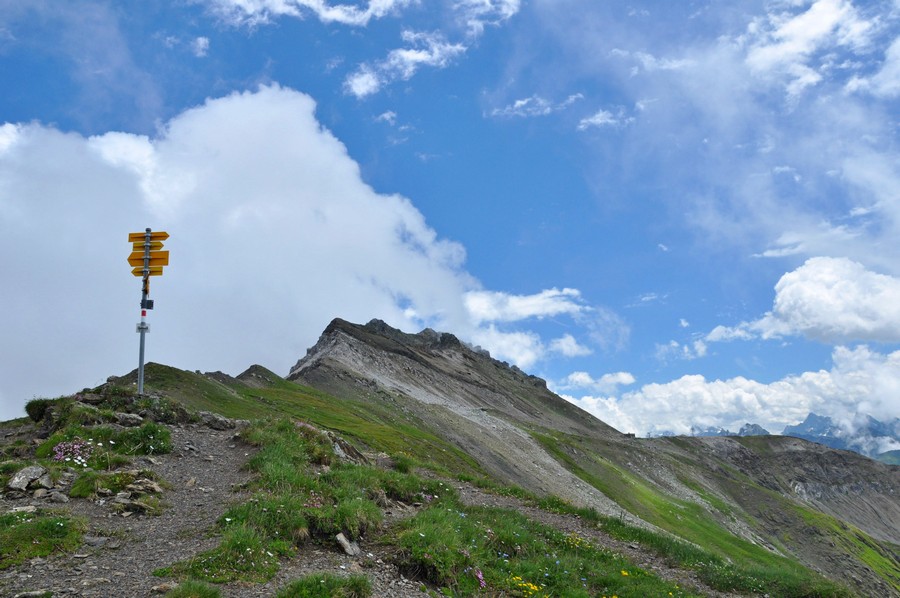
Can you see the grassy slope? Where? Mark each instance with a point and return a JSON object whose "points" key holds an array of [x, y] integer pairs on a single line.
{"points": [[374, 426], [761, 509], [382, 428]]}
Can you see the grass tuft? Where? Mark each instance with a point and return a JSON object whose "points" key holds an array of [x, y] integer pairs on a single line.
{"points": [[24, 536], [327, 586]]}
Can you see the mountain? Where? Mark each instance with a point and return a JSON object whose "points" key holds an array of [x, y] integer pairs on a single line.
{"points": [[398, 433], [747, 429], [866, 435], [798, 499]]}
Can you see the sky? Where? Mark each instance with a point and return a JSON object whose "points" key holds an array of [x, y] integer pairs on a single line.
{"points": [[681, 215]]}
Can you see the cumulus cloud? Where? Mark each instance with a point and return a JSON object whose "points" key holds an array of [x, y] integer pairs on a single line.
{"points": [[830, 300], [860, 381], [273, 233]]}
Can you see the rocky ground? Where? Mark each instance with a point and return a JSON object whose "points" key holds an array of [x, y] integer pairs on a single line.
{"points": [[202, 476]]}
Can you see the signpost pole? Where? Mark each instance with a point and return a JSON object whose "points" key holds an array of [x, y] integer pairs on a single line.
{"points": [[146, 260], [142, 327]]}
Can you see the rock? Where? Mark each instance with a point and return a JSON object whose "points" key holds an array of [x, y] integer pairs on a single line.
{"points": [[59, 497], [351, 548], [164, 587], [25, 476], [32, 594], [42, 482], [129, 420], [216, 421], [144, 486], [90, 398]]}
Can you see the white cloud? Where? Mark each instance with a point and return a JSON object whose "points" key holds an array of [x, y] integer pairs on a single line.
{"points": [[273, 233], [426, 49], [495, 306], [830, 300], [675, 350], [607, 383], [860, 381], [886, 82], [9, 133], [601, 118], [784, 43], [200, 46], [535, 106], [568, 346], [650, 63], [253, 12], [476, 14], [364, 82], [522, 349], [605, 118], [389, 117]]}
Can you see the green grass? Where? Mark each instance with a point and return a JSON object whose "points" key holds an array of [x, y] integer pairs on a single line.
{"points": [[327, 586], [243, 555], [855, 542], [365, 423], [89, 482], [24, 536], [106, 442], [194, 589], [469, 551], [725, 561]]}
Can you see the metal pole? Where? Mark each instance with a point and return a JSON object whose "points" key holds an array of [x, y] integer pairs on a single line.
{"points": [[142, 327]]}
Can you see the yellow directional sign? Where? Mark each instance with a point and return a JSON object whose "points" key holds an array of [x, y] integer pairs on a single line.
{"points": [[154, 246], [154, 236], [157, 258], [154, 271]]}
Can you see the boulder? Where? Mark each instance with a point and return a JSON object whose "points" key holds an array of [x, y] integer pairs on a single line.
{"points": [[25, 476]]}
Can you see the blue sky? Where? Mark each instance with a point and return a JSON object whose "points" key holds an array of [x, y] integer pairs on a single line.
{"points": [[679, 214]]}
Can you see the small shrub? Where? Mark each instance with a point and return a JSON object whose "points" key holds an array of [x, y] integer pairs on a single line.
{"points": [[36, 408]]}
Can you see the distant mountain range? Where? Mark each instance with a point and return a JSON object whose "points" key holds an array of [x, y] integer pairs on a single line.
{"points": [[868, 436]]}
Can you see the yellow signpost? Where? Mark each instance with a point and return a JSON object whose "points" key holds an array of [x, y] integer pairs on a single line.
{"points": [[148, 260]]}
